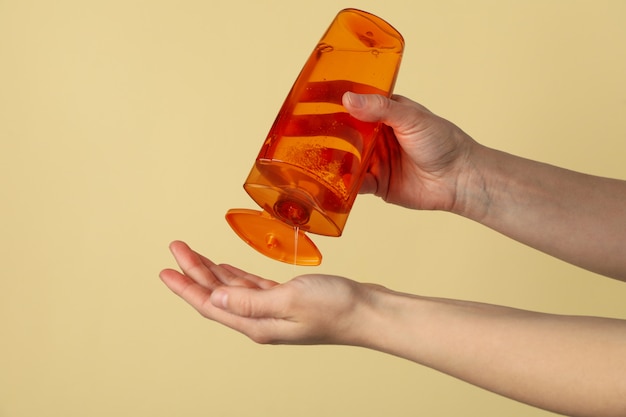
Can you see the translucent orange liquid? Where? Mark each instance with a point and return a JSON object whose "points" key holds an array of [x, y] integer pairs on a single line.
{"points": [[316, 161]]}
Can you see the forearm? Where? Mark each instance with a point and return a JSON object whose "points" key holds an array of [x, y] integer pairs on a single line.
{"points": [[571, 365], [576, 217]]}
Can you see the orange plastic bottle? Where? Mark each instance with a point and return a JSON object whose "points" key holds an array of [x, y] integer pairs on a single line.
{"points": [[311, 166]]}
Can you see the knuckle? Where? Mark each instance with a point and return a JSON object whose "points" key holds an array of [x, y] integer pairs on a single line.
{"points": [[243, 306]]}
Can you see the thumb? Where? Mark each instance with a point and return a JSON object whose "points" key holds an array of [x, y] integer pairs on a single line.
{"points": [[398, 112], [245, 302], [367, 107]]}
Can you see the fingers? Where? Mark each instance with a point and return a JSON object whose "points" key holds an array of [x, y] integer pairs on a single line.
{"points": [[248, 302], [242, 303], [186, 288], [201, 276], [398, 112], [200, 298], [256, 280], [204, 299], [369, 185], [367, 107], [201, 269], [194, 265], [228, 295], [232, 278]]}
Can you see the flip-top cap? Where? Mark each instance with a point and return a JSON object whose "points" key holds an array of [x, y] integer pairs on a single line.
{"points": [[273, 238]]}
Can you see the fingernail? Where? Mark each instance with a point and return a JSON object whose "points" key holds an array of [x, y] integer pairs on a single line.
{"points": [[355, 100], [219, 298]]}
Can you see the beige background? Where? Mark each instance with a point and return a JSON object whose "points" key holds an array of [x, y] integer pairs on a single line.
{"points": [[127, 124]]}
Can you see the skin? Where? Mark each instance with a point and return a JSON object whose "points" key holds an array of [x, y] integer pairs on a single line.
{"points": [[572, 365]]}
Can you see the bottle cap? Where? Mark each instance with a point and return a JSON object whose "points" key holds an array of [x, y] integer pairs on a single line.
{"points": [[273, 238]]}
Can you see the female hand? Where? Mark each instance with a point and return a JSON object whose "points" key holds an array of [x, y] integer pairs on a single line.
{"points": [[309, 309], [419, 157]]}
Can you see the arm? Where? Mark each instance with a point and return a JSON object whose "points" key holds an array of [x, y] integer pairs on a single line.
{"points": [[429, 163], [567, 364], [578, 218]]}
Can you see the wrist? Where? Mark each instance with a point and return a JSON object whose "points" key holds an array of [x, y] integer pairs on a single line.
{"points": [[384, 316], [474, 183]]}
